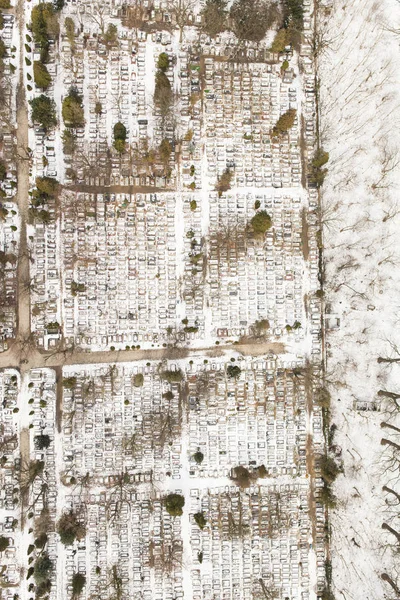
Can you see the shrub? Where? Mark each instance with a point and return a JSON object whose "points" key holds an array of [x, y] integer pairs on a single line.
{"points": [[327, 496], [261, 222], [3, 170], [280, 41], [214, 17], [138, 380], [70, 529], [165, 150], [168, 395], [119, 131], [111, 35], [172, 376], [193, 205], [329, 469], [5, 4], [43, 111], [4, 543], [163, 62], [233, 371], [78, 583], [242, 476], [174, 504], [323, 397], [224, 182], [98, 109], [43, 567], [72, 109], [284, 123], [69, 141], [317, 174], [48, 186], [42, 441], [198, 457], [41, 75], [200, 519], [162, 93]]}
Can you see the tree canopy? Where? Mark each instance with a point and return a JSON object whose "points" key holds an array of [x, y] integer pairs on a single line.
{"points": [[163, 93], [261, 222], [163, 62], [284, 123], [44, 111], [251, 19], [70, 528], [214, 17], [41, 75], [72, 109], [44, 23], [174, 504]]}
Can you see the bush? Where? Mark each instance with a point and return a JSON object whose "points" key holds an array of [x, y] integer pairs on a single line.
{"points": [[163, 62], [329, 469], [3, 170], [165, 150], [78, 583], [42, 441], [193, 205], [163, 93], [200, 519], [284, 123], [327, 496], [138, 380], [119, 131], [261, 222], [224, 182], [43, 111], [252, 18], [280, 41], [168, 395], [214, 17], [242, 476], [198, 457], [42, 569], [4, 543], [72, 109], [323, 397], [317, 174], [98, 109], [233, 371], [119, 145], [174, 504], [172, 376], [3, 49], [48, 186], [41, 75], [70, 529], [69, 382], [5, 4], [69, 141], [111, 35]]}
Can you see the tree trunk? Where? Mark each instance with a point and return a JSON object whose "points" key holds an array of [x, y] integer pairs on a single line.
{"points": [[384, 424], [390, 395], [390, 491], [388, 360], [385, 442], [393, 531], [390, 581]]}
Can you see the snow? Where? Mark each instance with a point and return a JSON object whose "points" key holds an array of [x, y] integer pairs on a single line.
{"points": [[359, 108]]}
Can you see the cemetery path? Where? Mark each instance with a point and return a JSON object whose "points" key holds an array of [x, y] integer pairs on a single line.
{"points": [[35, 359], [23, 276]]}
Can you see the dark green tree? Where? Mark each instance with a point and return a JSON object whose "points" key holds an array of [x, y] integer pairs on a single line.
{"points": [[44, 111]]}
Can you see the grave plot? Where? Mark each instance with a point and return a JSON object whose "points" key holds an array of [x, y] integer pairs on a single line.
{"points": [[119, 259]]}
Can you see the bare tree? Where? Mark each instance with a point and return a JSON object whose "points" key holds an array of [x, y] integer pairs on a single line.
{"points": [[181, 9]]}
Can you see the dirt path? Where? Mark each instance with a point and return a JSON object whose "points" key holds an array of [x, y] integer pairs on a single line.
{"points": [[24, 451], [22, 196]]}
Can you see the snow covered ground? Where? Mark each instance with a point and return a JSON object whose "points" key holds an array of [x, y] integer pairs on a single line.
{"points": [[360, 109]]}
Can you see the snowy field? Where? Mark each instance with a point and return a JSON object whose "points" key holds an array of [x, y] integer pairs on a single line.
{"points": [[359, 105]]}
